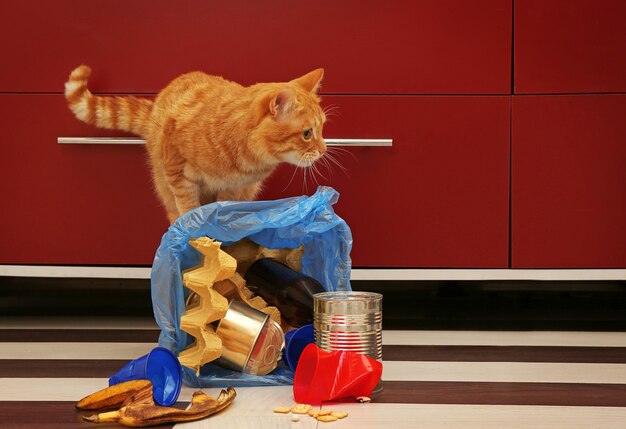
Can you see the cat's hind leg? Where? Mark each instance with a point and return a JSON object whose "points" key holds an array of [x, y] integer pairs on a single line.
{"points": [[166, 195], [176, 180], [184, 186]]}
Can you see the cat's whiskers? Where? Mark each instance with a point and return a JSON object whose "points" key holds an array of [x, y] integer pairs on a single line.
{"points": [[294, 174], [304, 179], [310, 169], [310, 158], [331, 159], [317, 170], [313, 175], [342, 150], [327, 164], [324, 161]]}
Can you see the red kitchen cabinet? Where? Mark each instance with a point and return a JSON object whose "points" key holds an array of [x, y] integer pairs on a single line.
{"points": [[71, 204], [438, 197], [371, 47], [569, 181], [570, 46]]}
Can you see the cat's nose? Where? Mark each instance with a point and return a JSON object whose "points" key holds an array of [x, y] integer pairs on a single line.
{"points": [[322, 147]]}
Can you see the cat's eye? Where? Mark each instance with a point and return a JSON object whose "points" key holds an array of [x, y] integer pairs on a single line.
{"points": [[307, 134]]}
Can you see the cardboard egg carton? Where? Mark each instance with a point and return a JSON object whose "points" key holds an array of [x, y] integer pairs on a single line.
{"points": [[216, 266], [216, 281]]}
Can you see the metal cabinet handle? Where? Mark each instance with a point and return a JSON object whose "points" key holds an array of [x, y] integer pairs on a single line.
{"points": [[359, 142], [100, 140], [135, 140]]}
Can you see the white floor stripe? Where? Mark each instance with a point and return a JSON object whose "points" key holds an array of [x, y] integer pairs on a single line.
{"points": [[77, 322], [442, 416], [79, 350], [73, 389], [522, 372], [49, 389], [504, 338], [253, 409], [390, 337], [74, 350]]}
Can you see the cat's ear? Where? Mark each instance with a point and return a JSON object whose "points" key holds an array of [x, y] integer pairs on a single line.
{"points": [[311, 81], [281, 102]]}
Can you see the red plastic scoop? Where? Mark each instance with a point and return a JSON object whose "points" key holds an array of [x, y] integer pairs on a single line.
{"points": [[325, 376]]}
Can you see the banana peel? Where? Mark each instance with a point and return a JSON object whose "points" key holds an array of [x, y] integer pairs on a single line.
{"points": [[139, 409], [112, 397]]}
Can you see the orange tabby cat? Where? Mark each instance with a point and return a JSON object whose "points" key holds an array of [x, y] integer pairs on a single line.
{"points": [[211, 139]]}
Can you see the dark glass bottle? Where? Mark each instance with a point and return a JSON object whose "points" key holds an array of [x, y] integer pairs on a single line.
{"points": [[288, 290]]}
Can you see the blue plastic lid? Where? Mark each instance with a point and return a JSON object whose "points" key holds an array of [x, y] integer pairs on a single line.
{"points": [[295, 342], [165, 373]]}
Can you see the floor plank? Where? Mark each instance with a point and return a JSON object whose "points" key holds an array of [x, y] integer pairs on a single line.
{"points": [[80, 335], [505, 354], [434, 392], [49, 415], [505, 338], [70, 350], [520, 372], [46, 368], [444, 416]]}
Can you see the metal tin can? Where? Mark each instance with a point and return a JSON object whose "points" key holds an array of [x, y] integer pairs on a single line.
{"points": [[349, 321], [251, 342]]}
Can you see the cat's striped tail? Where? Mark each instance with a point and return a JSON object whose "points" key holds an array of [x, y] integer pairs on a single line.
{"points": [[126, 113]]}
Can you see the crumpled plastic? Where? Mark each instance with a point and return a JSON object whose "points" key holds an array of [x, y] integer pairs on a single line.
{"points": [[286, 223]]}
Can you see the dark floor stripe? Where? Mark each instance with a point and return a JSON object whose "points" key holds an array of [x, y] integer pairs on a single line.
{"points": [[475, 393], [27, 368], [49, 415], [505, 354], [85, 368], [80, 335]]}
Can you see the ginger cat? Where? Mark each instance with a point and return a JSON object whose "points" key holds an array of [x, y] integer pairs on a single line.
{"points": [[211, 139]]}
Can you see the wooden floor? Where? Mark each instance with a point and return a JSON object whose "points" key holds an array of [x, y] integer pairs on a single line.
{"points": [[431, 379]]}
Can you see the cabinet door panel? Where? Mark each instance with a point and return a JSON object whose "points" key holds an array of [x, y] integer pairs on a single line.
{"points": [[569, 182], [437, 198], [72, 204], [409, 46], [570, 46]]}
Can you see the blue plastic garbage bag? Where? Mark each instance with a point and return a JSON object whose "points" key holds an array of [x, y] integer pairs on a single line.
{"points": [[287, 223]]}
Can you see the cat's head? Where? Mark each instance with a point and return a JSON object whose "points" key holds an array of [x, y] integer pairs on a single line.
{"points": [[292, 120]]}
